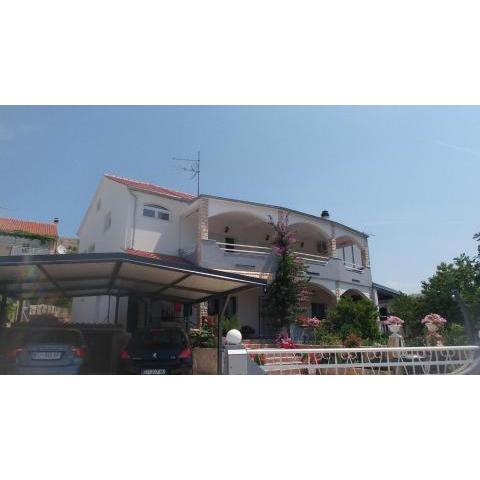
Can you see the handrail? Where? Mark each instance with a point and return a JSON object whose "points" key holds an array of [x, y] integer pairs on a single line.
{"points": [[241, 245], [360, 349]]}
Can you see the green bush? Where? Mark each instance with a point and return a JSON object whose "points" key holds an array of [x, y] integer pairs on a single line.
{"points": [[454, 334], [323, 335], [229, 322], [358, 317]]}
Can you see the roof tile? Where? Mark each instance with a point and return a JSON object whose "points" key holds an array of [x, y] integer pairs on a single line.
{"points": [[14, 225], [158, 256], [150, 187]]}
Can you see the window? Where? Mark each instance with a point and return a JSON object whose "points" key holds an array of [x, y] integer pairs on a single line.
{"points": [[319, 310], [155, 211], [99, 204], [108, 221]]}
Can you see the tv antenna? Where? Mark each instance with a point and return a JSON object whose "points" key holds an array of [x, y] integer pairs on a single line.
{"points": [[193, 168]]}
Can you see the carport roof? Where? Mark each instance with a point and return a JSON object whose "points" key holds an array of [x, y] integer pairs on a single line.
{"points": [[116, 274]]}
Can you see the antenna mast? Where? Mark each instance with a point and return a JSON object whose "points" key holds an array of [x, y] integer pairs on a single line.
{"points": [[193, 168]]}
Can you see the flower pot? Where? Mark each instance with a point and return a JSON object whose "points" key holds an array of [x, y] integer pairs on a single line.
{"points": [[204, 361], [431, 327], [394, 328]]}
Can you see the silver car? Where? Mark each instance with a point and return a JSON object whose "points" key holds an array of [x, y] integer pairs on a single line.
{"points": [[49, 351]]}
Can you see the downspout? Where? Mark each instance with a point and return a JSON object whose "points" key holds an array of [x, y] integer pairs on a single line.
{"points": [[134, 222]]}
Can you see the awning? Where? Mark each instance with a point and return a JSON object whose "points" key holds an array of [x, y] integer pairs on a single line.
{"points": [[116, 274]]}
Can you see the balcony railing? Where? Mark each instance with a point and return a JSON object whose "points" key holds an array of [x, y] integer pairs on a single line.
{"points": [[243, 249], [257, 250], [20, 250]]}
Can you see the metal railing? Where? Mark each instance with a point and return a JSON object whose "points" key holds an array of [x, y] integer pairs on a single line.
{"points": [[258, 250], [244, 249], [20, 250], [365, 361]]}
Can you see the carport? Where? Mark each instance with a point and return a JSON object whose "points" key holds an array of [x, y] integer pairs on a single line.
{"points": [[118, 275]]}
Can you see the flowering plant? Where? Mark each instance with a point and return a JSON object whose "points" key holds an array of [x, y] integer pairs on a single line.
{"points": [[392, 320], [434, 318], [285, 342], [304, 321]]}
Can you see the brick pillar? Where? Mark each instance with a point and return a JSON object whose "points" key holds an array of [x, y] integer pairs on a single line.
{"points": [[202, 226], [365, 257], [332, 247], [202, 234]]}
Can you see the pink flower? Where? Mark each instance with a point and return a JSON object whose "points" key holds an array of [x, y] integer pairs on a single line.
{"points": [[392, 320], [434, 318]]}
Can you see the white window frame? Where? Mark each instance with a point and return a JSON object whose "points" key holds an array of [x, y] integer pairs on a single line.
{"points": [[158, 211]]}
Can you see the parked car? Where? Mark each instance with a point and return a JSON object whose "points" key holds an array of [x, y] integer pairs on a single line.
{"points": [[160, 351], [48, 351]]}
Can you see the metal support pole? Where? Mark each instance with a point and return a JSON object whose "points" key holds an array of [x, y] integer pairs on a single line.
{"points": [[3, 310], [224, 303], [116, 309]]}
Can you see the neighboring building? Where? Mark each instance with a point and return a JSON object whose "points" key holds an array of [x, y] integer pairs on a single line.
{"points": [[217, 233], [25, 237]]}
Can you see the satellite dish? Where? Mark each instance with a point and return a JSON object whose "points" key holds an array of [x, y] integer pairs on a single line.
{"points": [[61, 249]]}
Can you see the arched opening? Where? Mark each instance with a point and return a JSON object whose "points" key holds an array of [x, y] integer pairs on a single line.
{"points": [[321, 301], [238, 230], [311, 240], [355, 294]]}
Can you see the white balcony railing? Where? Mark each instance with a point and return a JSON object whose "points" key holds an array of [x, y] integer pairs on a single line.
{"points": [[366, 361], [238, 248], [20, 250]]}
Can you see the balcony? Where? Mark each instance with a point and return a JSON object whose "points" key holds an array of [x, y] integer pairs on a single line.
{"points": [[255, 258]]}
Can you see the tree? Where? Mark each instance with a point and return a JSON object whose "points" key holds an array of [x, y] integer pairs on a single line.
{"points": [[358, 317], [462, 274], [411, 309], [287, 294], [477, 238]]}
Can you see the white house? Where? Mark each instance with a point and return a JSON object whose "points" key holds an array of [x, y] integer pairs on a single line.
{"points": [[217, 233]]}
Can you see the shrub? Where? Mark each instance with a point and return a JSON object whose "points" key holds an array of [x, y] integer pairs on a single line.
{"points": [[202, 337], [352, 341], [229, 322], [323, 335], [247, 331], [455, 335], [358, 317]]}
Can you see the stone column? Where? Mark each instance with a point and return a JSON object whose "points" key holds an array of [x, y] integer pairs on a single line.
{"points": [[365, 257], [202, 226], [332, 247], [202, 234]]}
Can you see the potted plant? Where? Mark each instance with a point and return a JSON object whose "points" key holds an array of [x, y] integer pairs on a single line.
{"points": [[433, 322], [394, 324], [204, 348]]}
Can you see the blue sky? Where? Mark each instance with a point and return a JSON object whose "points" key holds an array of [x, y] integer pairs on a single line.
{"points": [[406, 175]]}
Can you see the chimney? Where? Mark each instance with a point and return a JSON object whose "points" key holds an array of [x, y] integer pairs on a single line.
{"points": [[56, 220], [325, 214]]}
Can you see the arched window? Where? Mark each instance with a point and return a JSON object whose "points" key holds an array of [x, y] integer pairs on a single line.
{"points": [[156, 211]]}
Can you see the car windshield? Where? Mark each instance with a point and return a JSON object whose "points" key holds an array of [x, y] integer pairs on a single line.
{"points": [[69, 337], [166, 338]]}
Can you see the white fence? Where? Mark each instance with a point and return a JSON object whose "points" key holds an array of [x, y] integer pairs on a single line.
{"points": [[20, 250], [365, 361]]}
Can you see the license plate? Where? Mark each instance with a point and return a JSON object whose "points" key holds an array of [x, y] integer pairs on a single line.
{"points": [[46, 355], [154, 371]]}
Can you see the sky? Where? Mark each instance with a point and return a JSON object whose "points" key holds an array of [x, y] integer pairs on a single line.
{"points": [[408, 176]]}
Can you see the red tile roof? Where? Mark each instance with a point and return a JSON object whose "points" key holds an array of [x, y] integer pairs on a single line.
{"points": [[14, 225], [158, 256], [150, 188]]}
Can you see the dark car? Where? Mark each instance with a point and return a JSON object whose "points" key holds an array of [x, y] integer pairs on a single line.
{"points": [[160, 351], [47, 351]]}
